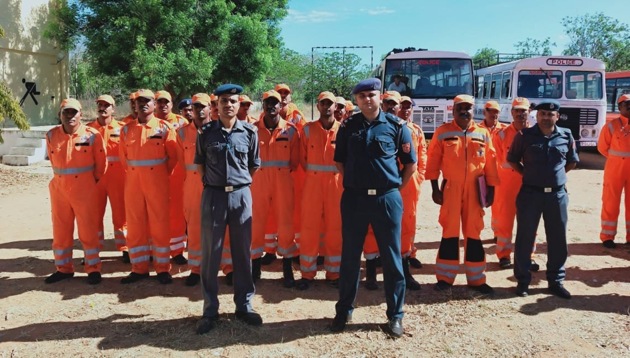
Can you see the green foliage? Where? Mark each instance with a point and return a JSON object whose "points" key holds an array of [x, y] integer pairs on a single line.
{"points": [[599, 36], [9, 107], [335, 72], [531, 47], [287, 66], [485, 57], [63, 25]]}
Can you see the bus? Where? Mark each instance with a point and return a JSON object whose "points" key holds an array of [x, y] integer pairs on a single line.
{"points": [[432, 79], [617, 83], [576, 82]]}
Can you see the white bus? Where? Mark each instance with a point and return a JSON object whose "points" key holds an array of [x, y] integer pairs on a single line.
{"points": [[576, 82], [432, 79]]}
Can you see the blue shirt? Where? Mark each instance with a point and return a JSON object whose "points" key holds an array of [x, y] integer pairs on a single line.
{"points": [[369, 151], [543, 158], [227, 156]]}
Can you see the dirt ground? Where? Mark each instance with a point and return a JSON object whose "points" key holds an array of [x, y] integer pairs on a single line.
{"points": [[71, 318]]}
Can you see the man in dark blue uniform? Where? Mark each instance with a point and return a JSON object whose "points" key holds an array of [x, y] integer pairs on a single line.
{"points": [[543, 154], [227, 156], [368, 145]]}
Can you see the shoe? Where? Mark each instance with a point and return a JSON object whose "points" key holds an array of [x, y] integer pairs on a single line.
{"points": [[410, 282], [58, 276], [609, 244], [505, 263], [267, 259], [192, 279], [442, 286], [320, 260], [560, 291], [378, 261], [94, 278], [179, 260], [522, 289], [256, 273], [250, 318], [206, 324], [134, 277], [415, 263], [303, 284], [395, 327], [370, 275], [534, 266], [229, 278], [333, 283], [339, 322], [484, 289], [125, 257], [82, 263], [164, 278], [288, 280]]}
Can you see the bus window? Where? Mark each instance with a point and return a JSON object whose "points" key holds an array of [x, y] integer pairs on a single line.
{"points": [[610, 99], [480, 86], [539, 84], [496, 86], [505, 90], [584, 85], [486, 83]]}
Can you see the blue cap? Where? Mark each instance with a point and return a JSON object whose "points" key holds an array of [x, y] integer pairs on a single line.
{"points": [[184, 103], [228, 88], [548, 105], [370, 84]]}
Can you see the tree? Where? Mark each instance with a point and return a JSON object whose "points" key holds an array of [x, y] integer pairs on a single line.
{"points": [[183, 46], [485, 57], [9, 107], [532, 46], [288, 67], [599, 36], [335, 72]]}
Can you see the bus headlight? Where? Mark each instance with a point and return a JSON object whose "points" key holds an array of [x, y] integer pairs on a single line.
{"points": [[585, 133], [427, 119], [564, 117]]}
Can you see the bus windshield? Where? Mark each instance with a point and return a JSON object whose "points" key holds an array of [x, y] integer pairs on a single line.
{"points": [[429, 77], [539, 84], [584, 85]]}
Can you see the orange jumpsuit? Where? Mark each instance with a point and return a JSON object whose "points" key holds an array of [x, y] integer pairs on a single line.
{"points": [[462, 157], [128, 119], [272, 188], [112, 185], [494, 209], [296, 117], [78, 162], [149, 153], [614, 144], [321, 203]]}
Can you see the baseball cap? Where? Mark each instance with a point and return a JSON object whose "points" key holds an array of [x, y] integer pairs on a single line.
{"points": [[341, 100], [70, 103], [327, 95], [133, 95], [282, 86], [163, 95], [213, 97], [272, 94], [349, 106], [201, 98], [520, 103], [407, 99], [244, 99], [392, 96], [623, 98], [463, 98], [145, 93], [107, 99], [492, 105]]}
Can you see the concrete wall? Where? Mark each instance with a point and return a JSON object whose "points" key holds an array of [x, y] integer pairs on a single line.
{"points": [[31, 63]]}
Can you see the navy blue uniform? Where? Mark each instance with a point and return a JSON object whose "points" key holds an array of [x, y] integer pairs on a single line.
{"points": [[542, 193], [369, 153], [228, 158]]}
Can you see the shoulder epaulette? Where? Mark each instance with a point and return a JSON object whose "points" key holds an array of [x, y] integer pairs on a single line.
{"points": [[251, 128], [206, 127], [395, 120]]}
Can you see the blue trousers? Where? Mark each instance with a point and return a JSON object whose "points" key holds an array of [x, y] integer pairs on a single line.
{"points": [[530, 205], [218, 210], [384, 213]]}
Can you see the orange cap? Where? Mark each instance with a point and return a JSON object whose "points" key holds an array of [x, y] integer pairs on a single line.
{"points": [[623, 98], [163, 95], [70, 103], [406, 99], [133, 95], [213, 97], [492, 105], [145, 93], [244, 99], [349, 106], [201, 98], [282, 86], [341, 100], [327, 95], [464, 98], [107, 99], [392, 96], [272, 94], [520, 103]]}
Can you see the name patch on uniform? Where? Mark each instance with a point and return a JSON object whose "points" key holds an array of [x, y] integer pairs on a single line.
{"points": [[406, 147]]}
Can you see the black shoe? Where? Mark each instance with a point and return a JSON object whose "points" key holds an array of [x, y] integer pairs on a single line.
{"points": [[395, 327], [250, 318], [378, 261], [442, 286], [94, 278], [256, 273], [134, 277], [58, 276], [179, 260], [505, 263], [410, 282], [320, 260], [164, 278], [415, 263], [609, 244], [371, 285], [267, 259], [339, 322], [288, 280], [82, 263], [522, 289], [125, 257], [333, 283], [229, 278], [484, 289], [192, 279], [206, 324], [296, 259], [303, 284], [560, 291], [534, 266]]}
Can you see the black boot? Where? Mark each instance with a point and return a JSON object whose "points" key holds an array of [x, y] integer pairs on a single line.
{"points": [[256, 269], [411, 282], [287, 271], [370, 275]]}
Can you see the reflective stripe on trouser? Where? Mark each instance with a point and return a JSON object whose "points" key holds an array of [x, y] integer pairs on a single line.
{"points": [[193, 188], [218, 211], [146, 200], [271, 235], [616, 181], [273, 195], [177, 221], [112, 186], [384, 213], [530, 206], [73, 198], [447, 261], [321, 214]]}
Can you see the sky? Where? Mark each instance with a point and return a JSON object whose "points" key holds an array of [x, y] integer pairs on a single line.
{"points": [[447, 25]]}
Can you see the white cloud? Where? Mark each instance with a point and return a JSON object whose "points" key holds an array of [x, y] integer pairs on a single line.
{"points": [[378, 11], [313, 16]]}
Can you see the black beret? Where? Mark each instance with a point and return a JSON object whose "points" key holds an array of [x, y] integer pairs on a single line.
{"points": [[184, 103], [548, 105], [228, 88]]}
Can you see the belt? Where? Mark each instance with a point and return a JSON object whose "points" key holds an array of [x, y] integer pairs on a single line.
{"points": [[549, 189], [371, 192], [228, 188]]}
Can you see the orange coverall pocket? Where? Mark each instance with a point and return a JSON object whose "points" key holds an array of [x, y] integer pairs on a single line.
{"points": [[451, 148]]}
